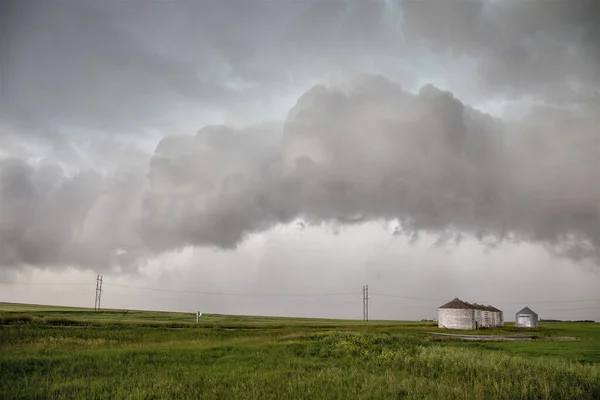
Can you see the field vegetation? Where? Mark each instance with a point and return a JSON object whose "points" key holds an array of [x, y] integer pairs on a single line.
{"points": [[76, 353]]}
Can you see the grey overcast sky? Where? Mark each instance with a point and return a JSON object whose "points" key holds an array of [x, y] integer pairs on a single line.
{"points": [[271, 157]]}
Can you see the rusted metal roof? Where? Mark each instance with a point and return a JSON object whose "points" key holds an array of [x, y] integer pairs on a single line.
{"points": [[480, 307], [457, 303]]}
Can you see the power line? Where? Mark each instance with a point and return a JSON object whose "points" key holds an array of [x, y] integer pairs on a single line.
{"points": [[573, 309], [235, 294], [405, 297], [47, 283], [189, 292], [296, 294], [543, 301], [489, 302], [299, 300]]}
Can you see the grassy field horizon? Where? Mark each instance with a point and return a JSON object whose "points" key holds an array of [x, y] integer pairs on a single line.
{"points": [[29, 307], [75, 352]]}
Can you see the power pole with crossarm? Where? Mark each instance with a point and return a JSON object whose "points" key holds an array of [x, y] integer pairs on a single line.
{"points": [[98, 292], [365, 291]]}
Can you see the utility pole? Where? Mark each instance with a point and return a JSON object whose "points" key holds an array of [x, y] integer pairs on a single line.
{"points": [[98, 292], [365, 291], [365, 303]]}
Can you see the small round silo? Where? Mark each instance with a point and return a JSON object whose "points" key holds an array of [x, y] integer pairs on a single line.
{"points": [[526, 318], [496, 316], [479, 315], [457, 314], [490, 320]]}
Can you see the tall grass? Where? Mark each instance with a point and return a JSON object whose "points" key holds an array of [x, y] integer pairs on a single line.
{"points": [[323, 365], [76, 354], [452, 372]]}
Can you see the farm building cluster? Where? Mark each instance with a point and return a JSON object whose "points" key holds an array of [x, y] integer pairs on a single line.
{"points": [[458, 314]]}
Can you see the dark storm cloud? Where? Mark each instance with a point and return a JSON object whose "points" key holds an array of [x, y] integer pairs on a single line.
{"points": [[50, 219], [74, 63], [533, 47], [370, 150], [205, 189], [361, 150], [124, 65], [119, 65]]}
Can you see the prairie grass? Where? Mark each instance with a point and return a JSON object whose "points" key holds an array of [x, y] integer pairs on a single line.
{"points": [[75, 353]]}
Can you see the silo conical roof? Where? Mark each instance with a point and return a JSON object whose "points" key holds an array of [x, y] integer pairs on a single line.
{"points": [[527, 310], [457, 303]]}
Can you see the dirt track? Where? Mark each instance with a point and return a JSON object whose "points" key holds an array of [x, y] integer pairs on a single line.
{"points": [[488, 338]]}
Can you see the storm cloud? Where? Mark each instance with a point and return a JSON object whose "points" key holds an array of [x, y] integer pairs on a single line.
{"points": [[366, 150], [51, 219], [547, 49], [85, 76], [369, 150]]}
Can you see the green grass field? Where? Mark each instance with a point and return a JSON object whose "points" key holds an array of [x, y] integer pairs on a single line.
{"points": [[76, 353]]}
